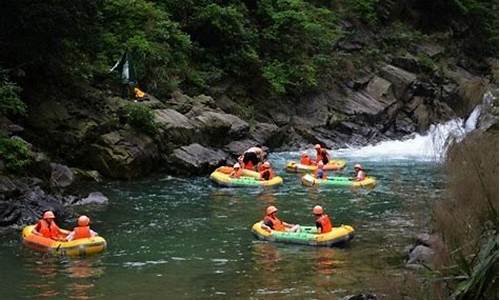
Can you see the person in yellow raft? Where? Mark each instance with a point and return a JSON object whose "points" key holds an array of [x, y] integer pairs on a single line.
{"points": [[271, 222], [82, 231], [48, 228], [323, 222], [359, 173]]}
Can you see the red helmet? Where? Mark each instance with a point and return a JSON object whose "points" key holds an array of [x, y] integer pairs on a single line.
{"points": [[83, 221], [49, 215], [318, 210], [271, 209]]}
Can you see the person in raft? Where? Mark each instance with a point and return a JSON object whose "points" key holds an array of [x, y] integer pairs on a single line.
{"points": [[252, 157], [271, 222], [320, 173], [48, 228], [237, 171], [265, 171], [359, 173], [321, 154], [82, 231], [323, 222], [305, 159]]}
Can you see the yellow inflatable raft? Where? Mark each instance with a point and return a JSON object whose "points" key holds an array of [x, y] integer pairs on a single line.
{"points": [[332, 165], [78, 247], [310, 180], [306, 235], [248, 178]]}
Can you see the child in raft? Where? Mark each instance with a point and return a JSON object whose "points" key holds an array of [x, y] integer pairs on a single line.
{"points": [[237, 171], [265, 171], [82, 231], [305, 159], [359, 173]]}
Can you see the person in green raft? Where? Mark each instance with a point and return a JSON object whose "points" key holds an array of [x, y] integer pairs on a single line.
{"points": [[323, 222], [271, 222], [360, 173]]}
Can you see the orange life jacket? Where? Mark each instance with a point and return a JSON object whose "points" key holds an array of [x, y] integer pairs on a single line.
{"points": [[49, 231], [81, 232], [305, 160], [261, 168], [263, 176], [277, 223], [326, 224]]}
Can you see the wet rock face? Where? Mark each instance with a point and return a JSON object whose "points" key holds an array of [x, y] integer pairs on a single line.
{"points": [[196, 160], [361, 297], [61, 176]]}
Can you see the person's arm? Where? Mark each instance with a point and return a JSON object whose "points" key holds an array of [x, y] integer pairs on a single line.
{"points": [[93, 233], [36, 229], [319, 227], [267, 226], [70, 236]]}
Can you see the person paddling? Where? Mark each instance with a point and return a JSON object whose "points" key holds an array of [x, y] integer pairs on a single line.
{"points": [[323, 222], [252, 157], [48, 228], [82, 231], [360, 173], [271, 222]]}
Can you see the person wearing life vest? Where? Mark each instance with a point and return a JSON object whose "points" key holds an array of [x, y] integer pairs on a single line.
{"points": [[305, 159], [237, 171], [323, 223], [253, 156], [320, 173], [321, 154], [360, 173], [267, 172], [271, 222], [82, 231], [48, 228]]}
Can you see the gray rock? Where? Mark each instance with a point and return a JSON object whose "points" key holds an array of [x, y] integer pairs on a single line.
{"points": [[196, 160], [61, 176], [407, 62], [265, 133], [420, 255], [93, 198], [123, 154], [236, 148], [430, 49], [361, 297], [400, 79], [380, 89], [86, 175], [174, 128], [218, 128]]}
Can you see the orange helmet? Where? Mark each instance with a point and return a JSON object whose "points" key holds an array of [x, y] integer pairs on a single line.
{"points": [[271, 209], [358, 166], [266, 165], [317, 146], [49, 215], [318, 210], [236, 166], [83, 221]]}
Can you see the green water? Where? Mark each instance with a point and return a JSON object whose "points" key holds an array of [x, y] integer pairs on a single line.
{"points": [[171, 238]]}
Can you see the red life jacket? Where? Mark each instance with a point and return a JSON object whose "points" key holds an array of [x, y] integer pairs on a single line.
{"points": [[277, 223], [326, 224], [81, 232], [249, 166], [305, 160], [321, 155], [49, 231]]}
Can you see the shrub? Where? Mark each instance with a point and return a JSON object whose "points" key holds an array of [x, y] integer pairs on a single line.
{"points": [[140, 117], [10, 104], [15, 154]]}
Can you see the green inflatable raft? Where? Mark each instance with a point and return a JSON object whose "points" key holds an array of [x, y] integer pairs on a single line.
{"points": [[310, 180]]}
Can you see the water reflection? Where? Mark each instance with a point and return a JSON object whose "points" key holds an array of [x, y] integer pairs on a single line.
{"points": [[58, 276]]}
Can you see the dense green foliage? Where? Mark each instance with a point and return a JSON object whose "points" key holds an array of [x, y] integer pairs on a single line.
{"points": [[15, 154], [274, 47], [10, 104], [140, 117]]}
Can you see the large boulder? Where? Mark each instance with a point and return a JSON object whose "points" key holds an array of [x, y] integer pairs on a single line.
{"points": [[420, 255], [94, 198], [400, 79], [61, 176], [236, 148], [174, 128], [123, 154], [218, 128], [380, 89], [265, 134], [196, 160]]}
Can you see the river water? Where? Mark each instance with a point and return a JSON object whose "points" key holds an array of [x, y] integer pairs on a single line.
{"points": [[184, 238]]}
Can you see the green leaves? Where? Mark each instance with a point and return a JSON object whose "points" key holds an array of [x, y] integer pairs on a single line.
{"points": [[140, 117], [10, 104], [15, 154]]}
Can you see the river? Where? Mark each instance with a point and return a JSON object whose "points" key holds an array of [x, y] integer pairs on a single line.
{"points": [[184, 238]]}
